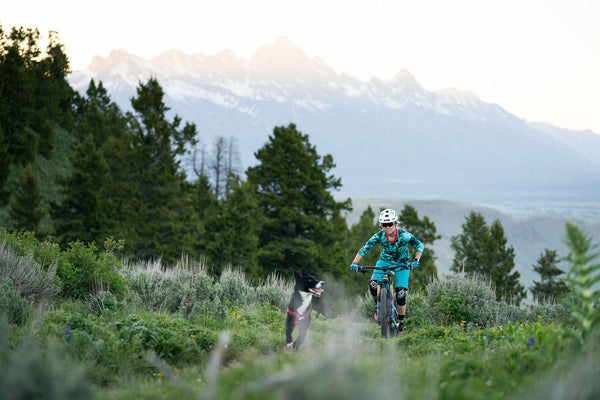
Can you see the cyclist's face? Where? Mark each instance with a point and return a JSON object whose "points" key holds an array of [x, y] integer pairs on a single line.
{"points": [[388, 227]]}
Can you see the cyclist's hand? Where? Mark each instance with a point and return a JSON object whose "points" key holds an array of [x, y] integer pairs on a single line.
{"points": [[355, 267], [415, 264]]}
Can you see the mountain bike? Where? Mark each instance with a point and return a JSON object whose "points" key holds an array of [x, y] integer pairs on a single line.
{"points": [[387, 314]]}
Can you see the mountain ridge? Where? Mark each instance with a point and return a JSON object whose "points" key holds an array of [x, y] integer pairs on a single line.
{"points": [[449, 144]]}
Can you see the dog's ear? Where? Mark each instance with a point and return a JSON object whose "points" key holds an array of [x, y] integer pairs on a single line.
{"points": [[304, 272], [296, 274]]}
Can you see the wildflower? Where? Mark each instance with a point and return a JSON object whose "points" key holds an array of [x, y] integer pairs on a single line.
{"points": [[159, 374], [238, 316], [280, 329], [530, 343], [446, 331], [492, 348], [539, 317], [192, 336], [68, 332]]}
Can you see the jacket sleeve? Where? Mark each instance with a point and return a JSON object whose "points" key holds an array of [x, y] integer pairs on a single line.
{"points": [[369, 245], [416, 243]]}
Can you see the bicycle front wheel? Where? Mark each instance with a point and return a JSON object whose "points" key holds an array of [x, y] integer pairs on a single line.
{"points": [[384, 311]]}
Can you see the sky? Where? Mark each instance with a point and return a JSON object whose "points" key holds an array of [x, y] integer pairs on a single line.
{"points": [[538, 59]]}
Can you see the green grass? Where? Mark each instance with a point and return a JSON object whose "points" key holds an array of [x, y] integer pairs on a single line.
{"points": [[151, 355], [180, 333]]}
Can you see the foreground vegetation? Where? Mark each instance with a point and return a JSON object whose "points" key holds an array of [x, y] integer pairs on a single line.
{"points": [[180, 332]]}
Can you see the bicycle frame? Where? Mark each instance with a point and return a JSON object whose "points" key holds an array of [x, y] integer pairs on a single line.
{"points": [[387, 314]]}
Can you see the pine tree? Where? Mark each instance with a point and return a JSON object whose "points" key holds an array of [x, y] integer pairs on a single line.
{"points": [[83, 213], [501, 261], [231, 230], [425, 230], [24, 208], [483, 250], [155, 210], [549, 289], [469, 246], [292, 185], [34, 97]]}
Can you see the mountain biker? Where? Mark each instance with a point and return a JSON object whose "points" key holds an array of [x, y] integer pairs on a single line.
{"points": [[394, 242]]}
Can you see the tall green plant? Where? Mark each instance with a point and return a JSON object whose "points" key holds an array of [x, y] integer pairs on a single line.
{"points": [[581, 278]]}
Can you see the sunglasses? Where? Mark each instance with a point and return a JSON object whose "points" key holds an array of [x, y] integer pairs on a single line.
{"points": [[387, 224]]}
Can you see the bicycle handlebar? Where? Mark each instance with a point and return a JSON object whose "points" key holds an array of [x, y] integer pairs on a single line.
{"points": [[390, 268]]}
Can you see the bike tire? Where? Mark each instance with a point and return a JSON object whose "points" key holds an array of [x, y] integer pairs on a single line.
{"points": [[394, 322], [384, 311]]}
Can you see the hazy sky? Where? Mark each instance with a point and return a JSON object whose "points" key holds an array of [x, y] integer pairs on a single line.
{"points": [[539, 59]]}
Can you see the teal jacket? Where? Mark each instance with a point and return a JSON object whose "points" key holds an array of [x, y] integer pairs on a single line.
{"points": [[395, 252]]}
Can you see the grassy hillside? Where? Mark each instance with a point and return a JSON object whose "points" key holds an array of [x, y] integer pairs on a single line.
{"points": [[180, 333], [528, 235]]}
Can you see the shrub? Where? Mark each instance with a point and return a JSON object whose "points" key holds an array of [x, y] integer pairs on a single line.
{"points": [[31, 371], [275, 290], [182, 289], [29, 279], [461, 298], [234, 287], [86, 271], [82, 269], [14, 307]]}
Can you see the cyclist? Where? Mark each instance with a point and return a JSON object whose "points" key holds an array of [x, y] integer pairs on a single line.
{"points": [[394, 242]]}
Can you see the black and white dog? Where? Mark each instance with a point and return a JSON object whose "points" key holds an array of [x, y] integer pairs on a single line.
{"points": [[300, 307]]}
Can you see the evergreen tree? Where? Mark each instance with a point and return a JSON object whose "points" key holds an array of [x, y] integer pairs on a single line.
{"points": [[292, 185], [469, 246], [17, 55], [156, 213], [549, 288], [83, 213], [232, 230], [482, 250], [425, 230], [34, 97], [501, 261], [24, 208]]}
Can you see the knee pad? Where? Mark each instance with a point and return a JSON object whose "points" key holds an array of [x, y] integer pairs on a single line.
{"points": [[373, 287], [401, 296]]}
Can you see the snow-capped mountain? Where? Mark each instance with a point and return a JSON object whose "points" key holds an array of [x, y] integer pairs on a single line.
{"points": [[388, 137]]}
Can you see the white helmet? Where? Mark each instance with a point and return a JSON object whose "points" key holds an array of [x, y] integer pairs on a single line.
{"points": [[387, 215]]}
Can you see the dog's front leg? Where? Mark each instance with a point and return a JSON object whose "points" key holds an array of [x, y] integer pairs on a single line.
{"points": [[290, 323], [303, 325]]}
